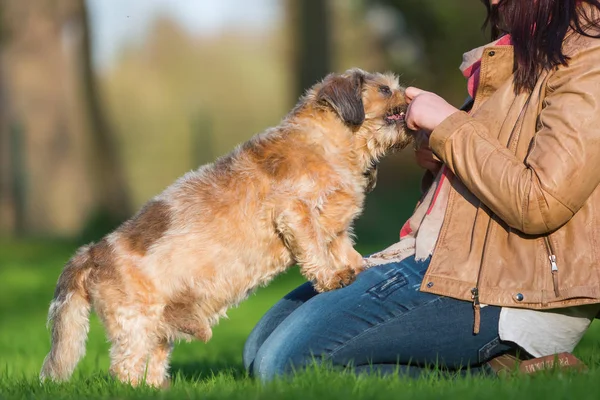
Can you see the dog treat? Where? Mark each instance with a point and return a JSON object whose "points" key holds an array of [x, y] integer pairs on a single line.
{"points": [[288, 195]]}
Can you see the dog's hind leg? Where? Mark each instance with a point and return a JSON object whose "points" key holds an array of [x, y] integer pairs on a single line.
{"points": [[129, 355], [157, 372], [134, 337]]}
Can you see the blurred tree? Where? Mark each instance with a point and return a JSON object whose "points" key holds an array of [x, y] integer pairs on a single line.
{"points": [[59, 165], [425, 40], [311, 41], [109, 178], [195, 97]]}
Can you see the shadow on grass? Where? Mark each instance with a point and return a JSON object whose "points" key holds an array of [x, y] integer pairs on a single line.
{"points": [[204, 370]]}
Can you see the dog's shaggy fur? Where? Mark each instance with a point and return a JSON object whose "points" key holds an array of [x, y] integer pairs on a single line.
{"points": [[289, 195]]}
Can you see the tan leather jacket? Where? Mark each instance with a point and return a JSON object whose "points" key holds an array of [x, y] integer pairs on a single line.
{"points": [[523, 218]]}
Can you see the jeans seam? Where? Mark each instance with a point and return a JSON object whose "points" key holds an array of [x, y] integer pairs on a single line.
{"points": [[345, 344]]}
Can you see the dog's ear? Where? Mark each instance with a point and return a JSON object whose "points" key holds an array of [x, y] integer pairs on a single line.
{"points": [[343, 93]]}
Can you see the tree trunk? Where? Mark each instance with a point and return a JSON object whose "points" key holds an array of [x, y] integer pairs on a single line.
{"points": [[109, 177], [311, 38], [58, 165], [7, 205]]}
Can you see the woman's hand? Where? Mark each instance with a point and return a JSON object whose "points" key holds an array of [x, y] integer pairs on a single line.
{"points": [[425, 159], [426, 110]]}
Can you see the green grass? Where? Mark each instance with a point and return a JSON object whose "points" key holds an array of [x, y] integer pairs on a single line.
{"points": [[28, 272]]}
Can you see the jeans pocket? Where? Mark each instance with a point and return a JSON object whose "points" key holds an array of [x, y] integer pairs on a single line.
{"points": [[492, 349], [383, 289]]}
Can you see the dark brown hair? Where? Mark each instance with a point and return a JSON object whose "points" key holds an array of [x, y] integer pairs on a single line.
{"points": [[538, 29]]}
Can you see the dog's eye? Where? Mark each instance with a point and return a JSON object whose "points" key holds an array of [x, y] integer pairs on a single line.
{"points": [[385, 90]]}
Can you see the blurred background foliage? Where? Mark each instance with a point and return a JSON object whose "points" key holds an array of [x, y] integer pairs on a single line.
{"points": [[87, 135]]}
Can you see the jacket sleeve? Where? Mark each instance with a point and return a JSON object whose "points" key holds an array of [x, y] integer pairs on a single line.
{"points": [[562, 168]]}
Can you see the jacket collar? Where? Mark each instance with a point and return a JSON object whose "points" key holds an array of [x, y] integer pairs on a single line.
{"points": [[497, 66], [471, 57]]}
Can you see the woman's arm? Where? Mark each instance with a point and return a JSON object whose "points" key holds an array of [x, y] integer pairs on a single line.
{"points": [[563, 165]]}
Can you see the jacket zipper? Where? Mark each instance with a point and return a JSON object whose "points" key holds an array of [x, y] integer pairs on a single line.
{"points": [[476, 310], [553, 265], [475, 290]]}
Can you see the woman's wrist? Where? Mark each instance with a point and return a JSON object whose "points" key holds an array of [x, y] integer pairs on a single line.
{"points": [[444, 130]]}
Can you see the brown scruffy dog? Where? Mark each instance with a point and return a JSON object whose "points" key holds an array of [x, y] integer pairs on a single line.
{"points": [[289, 195]]}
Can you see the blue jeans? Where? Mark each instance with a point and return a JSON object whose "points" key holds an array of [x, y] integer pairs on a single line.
{"points": [[381, 322]]}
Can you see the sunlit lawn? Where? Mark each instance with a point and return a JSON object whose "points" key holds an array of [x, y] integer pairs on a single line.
{"points": [[28, 272]]}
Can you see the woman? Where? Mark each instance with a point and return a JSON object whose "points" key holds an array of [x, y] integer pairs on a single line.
{"points": [[512, 211]]}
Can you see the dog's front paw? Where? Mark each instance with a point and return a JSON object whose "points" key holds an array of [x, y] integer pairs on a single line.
{"points": [[335, 280], [353, 264], [357, 262]]}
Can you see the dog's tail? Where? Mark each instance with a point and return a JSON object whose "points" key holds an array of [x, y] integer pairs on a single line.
{"points": [[69, 317]]}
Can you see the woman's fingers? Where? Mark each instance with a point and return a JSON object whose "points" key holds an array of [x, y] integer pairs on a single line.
{"points": [[426, 110], [422, 140], [410, 123], [411, 92], [425, 160]]}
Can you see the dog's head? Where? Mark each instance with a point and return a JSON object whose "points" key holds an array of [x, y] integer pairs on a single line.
{"points": [[371, 105]]}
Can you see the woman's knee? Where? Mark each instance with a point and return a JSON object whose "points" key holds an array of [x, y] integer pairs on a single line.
{"points": [[272, 319], [250, 349], [277, 359], [303, 337], [316, 327]]}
